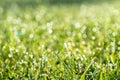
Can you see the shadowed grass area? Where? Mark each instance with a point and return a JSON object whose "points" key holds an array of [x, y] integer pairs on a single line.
{"points": [[74, 1]]}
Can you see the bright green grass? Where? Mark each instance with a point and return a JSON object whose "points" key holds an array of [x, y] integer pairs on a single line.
{"points": [[78, 42]]}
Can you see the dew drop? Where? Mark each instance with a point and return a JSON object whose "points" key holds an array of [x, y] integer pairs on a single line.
{"points": [[77, 49], [11, 49], [119, 48], [114, 33], [9, 55], [31, 56], [83, 42], [77, 25], [49, 24], [94, 29], [85, 50], [50, 31], [31, 36], [93, 37]]}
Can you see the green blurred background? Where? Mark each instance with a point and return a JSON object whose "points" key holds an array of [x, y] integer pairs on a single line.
{"points": [[32, 2]]}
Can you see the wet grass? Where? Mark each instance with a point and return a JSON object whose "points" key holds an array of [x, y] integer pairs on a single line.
{"points": [[56, 42]]}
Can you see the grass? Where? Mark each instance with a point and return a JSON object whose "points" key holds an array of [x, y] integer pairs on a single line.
{"points": [[60, 42]]}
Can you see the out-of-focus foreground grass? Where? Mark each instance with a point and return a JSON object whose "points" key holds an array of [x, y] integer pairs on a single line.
{"points": [[59, 42]]}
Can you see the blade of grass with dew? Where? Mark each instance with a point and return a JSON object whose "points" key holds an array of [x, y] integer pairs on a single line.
{"points": [[83, 76]]}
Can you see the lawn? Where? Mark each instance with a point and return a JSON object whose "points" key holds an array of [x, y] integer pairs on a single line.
{"points": [[59, 41]]}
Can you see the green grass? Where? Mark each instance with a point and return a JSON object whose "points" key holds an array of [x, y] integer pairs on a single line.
{"points": [[60, 42]]}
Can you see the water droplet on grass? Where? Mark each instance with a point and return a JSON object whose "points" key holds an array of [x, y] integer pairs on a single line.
{"points": [[31, 56], [31, 36], [99, 49], [83, 42], [94, 29], [26, 53], [9, 55], [34, 62], [93, 37], [17, 50], [50, 31], [11, 49], [99, 44], [114, 33], [77, 49], [49, 24], [119, 48], [77, 25], [84, 50]]}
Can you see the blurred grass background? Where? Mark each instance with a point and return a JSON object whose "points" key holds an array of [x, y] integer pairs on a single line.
{"points": [[6, 4], [36, 2], [53, 38], [32, 4]]}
